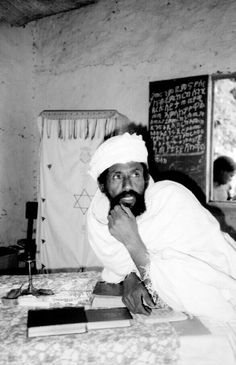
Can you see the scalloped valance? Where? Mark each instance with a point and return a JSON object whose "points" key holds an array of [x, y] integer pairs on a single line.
{"points": [[80, 124]]}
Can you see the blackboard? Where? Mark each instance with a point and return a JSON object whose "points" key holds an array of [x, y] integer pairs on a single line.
{"points": [[178, 127]]}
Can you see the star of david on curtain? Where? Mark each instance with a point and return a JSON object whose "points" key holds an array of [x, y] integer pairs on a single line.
{"points": [[68, 140]]}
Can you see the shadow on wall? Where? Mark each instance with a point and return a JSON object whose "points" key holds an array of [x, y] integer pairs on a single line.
{"points": [[180, 177]]}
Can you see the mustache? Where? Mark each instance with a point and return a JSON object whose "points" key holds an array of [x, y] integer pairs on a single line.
{"points": [[137, 209], [116, 200], [124, 194]]}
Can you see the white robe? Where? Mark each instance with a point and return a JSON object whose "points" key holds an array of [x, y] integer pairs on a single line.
{"points": [[192, 262]]}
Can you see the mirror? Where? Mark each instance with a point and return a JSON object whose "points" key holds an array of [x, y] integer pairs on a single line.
{"points": [[223, 184]]}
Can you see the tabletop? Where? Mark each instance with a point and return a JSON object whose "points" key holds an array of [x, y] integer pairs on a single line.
{"points": [[138, 344]]}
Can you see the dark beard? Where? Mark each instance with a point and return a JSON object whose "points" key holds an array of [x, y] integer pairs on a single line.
{"points": [[137, 209]]}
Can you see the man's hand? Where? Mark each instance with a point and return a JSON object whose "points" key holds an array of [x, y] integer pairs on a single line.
{"points": [[122, 224], [136, 296]]}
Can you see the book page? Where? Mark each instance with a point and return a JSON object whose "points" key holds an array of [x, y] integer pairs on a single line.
{"points": [[161, 315]]}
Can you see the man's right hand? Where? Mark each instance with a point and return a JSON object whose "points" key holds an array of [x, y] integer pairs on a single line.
{"points": [[135, 295]]}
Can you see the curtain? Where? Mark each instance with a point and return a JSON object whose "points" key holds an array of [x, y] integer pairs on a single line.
{"points": [[67, 141]]}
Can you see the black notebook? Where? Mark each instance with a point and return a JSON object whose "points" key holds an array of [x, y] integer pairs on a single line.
{"points": [[56, 321], [66, 320], [109, 289], [108, 317], [107, 295]]}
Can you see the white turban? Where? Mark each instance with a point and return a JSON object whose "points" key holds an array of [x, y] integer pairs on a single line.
{"points": [[119, 149]]}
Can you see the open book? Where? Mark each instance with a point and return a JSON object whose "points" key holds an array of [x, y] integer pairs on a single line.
{"points": [[65, 320], [160, 315]]}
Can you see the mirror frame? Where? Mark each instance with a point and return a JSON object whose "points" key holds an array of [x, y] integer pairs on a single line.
{"points": [[209, 173]]}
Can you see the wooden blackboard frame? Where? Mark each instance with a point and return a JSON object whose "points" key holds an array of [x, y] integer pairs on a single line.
{"points": [[179, 130]]}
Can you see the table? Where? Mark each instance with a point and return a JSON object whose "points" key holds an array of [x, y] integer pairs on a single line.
{"points": [[136, 345]]}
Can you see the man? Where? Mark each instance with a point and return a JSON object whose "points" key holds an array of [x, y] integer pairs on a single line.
{"points": [[157, 237]]}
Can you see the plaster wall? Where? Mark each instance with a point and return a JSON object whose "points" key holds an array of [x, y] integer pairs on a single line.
{"points": [[99, 57], [17, 132], [104, 56]]}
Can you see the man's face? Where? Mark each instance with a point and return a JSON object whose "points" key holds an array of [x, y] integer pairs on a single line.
{"points": [[125, 184]]}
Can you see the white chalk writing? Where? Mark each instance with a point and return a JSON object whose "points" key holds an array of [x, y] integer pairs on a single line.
{"points": [[177, 120]]}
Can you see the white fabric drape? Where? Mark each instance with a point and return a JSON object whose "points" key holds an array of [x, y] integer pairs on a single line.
{"points": [[68, 139], [192, 263]]}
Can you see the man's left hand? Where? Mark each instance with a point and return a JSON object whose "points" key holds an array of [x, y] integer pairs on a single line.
{"points": [[136, 297]]}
